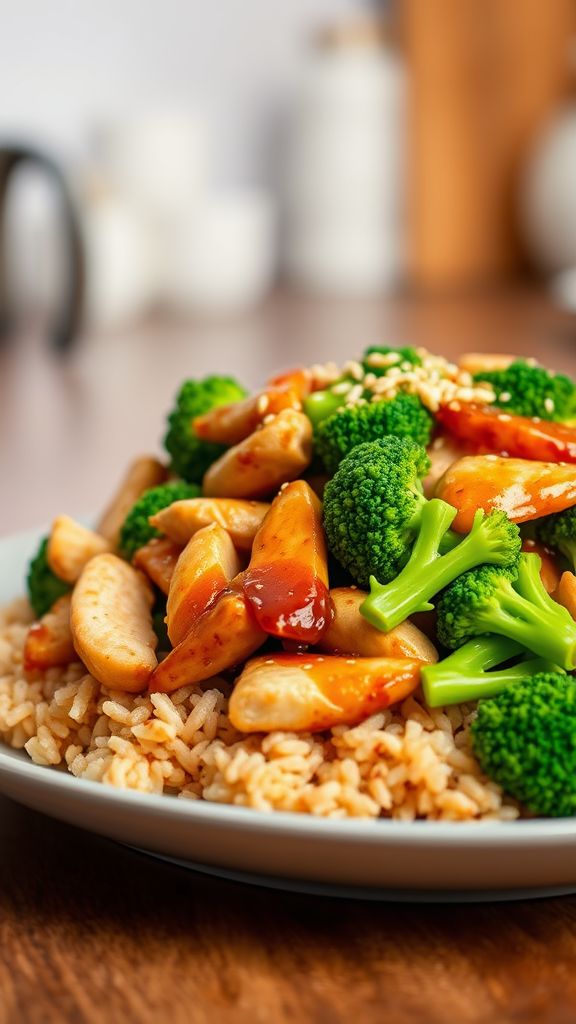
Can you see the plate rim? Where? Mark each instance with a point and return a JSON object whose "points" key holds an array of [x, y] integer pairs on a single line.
{"points": [[389, 830]]}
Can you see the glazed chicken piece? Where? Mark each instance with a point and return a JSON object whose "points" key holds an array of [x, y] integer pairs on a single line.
{"points": [[286, 583], [224, 636], [230, 424], [482, 429], [49, 641], [522, 488], [313, 692], [205, 567], [241, 519], [158, 560], [279, 451], [111, 624], [350, 633], [71, 546]]}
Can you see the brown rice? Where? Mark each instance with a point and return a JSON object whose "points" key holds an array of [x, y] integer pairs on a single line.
{"points": [[407, 763]]}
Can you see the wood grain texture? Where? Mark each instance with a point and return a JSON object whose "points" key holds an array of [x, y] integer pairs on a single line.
{"points": [[91, 932]]}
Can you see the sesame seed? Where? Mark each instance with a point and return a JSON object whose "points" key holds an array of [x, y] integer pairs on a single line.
{"points": [[342, 388], [355, 393], [355, 369], [504, 396], [381, 359], [549, 404], [436, 382], [262, 404]]}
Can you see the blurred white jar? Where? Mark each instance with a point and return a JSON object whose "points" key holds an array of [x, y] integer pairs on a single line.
{"points": [[120, 267], [222, 258], [159, 160], [344, 168], [549, 195]]}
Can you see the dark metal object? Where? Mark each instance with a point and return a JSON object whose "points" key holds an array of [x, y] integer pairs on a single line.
{"points": [[65, 329]]}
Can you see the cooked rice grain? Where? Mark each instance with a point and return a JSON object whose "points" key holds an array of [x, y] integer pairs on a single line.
{"points": [[409, 762]]}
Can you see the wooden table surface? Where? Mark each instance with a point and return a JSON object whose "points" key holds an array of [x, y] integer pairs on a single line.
{"points": [[91, 932]]}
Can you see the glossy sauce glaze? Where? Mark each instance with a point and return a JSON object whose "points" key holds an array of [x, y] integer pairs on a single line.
{"points": [[289, 601]]}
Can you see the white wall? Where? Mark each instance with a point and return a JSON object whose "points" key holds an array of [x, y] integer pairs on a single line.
{"points": [[66, 65]]}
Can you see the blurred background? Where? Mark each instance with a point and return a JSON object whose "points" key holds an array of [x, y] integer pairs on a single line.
{"points": [[187, 186]]}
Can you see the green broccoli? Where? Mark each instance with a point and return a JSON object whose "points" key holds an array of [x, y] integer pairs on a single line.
{"points": [[558, 531], [510, 603], [44, 587], [475, 670], [404, 416], [406, 358], [525, 740], [321, 404], [136, 530], [492, 539], [528, 390], [191, 456], [372, 507]]}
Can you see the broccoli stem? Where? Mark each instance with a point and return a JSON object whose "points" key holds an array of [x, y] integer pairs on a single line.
{"points": [[464, 676], [427, 571], [321, 404], [542, 626]]}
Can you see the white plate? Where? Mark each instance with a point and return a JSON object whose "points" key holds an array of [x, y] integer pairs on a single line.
{"points": [[365, 858]]}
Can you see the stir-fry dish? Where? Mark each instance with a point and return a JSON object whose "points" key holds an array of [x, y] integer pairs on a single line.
{"points": [[352, 593]]}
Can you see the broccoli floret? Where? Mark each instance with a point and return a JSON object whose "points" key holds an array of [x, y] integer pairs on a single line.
{"points": [[404, 416], [321, 404], [493, 539], [558, 531], [475, 670], [528, 390], [44, 587], [136, 530], [191, 456], [525, 740], [511, 604], [372, 507], [405, 356]]}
